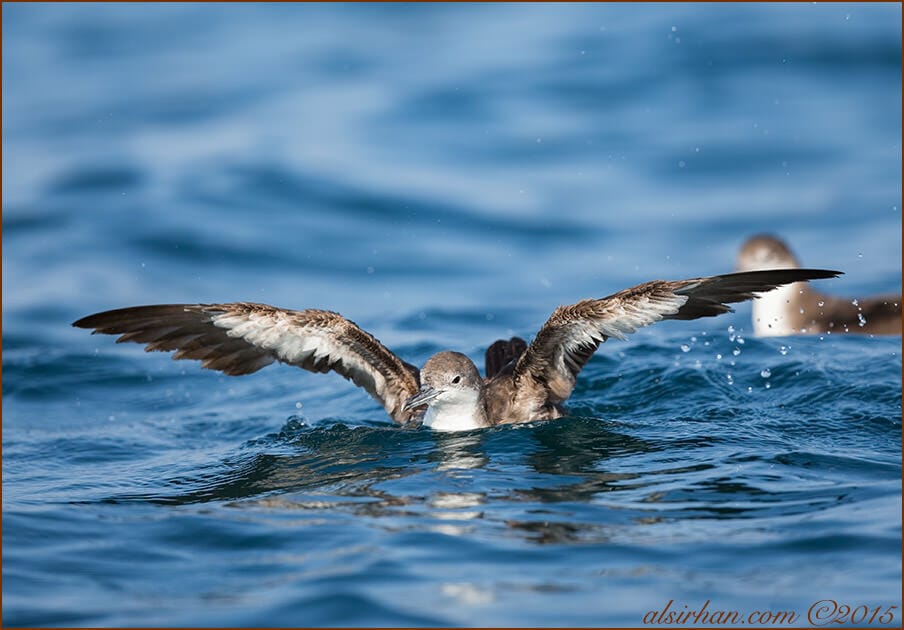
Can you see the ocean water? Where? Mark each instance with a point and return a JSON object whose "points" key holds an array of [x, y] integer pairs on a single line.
{"points": [[445, 175]]}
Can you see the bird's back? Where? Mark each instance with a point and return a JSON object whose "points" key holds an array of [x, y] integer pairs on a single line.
{"points": [[510, 400]]}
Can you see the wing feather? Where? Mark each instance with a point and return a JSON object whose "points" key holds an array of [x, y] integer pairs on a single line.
{"points": [[242, 337], [573, 333]]}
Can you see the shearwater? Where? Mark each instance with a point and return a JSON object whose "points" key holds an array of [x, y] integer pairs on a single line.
{"points": [[522, 382], [796, 309]]}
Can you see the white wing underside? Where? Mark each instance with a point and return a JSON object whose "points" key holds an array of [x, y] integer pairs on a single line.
{"points": [[240, 338]]}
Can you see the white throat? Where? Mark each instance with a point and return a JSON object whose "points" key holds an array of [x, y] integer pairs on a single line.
{"points": [[455, 411], [773, 312]]}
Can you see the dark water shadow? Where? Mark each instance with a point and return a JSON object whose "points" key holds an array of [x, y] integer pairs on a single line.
{"points": [[345, 461]]}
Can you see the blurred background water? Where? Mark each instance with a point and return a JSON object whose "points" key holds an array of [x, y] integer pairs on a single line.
{"points": [[444, 175]]}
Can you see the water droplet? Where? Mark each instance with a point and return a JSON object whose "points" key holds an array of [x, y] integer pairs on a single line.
{"points": [[820, 303], [861, 320], [766, 373], [768, 384], [855, 302], [718, 357], [730, 379], [749, 390], [685, 348], [736, 351], [784, 350], [298, 404]]}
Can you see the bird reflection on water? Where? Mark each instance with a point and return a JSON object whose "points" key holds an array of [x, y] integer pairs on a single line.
{"points": [[369, 471]]}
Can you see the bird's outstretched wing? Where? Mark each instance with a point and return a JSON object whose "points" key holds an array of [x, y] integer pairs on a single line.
{"points": [[240, 338], [573, 333]]}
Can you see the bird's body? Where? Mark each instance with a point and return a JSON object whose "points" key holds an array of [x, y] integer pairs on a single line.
{"points": [[523, 382], [459, 399], [796, 308]]}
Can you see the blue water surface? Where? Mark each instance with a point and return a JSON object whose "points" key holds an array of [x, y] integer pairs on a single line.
{"points": [[444, 175]]}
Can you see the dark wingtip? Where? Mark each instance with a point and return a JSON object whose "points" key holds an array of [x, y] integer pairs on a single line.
{"points": [[784, 276], [807, 274], [118, 317], [84, 322], [95, 320], [824, 273]]}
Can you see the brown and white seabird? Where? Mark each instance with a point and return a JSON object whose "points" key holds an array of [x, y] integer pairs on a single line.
{"points": [[797, 309], [523, 382]]}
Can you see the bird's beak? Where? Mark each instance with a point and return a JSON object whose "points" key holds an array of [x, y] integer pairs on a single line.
{"points": [[425, 395]]}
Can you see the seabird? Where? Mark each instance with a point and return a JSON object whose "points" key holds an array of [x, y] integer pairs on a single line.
{"points": [[798, 309], [523, 382]]}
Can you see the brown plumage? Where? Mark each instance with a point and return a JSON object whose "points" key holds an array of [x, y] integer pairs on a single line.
{"points": [[242, 337], [502, 355], [524, 382], [799, 309]]}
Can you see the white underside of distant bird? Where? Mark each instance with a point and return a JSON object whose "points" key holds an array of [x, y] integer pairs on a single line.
{"points": [[772, 314], [522, 383], [796, 308]]}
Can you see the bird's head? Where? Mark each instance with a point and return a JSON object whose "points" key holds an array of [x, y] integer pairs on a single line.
{"points": [[447, 378], [765, 252]]}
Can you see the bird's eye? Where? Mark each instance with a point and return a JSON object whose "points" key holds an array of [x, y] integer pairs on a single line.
{"points": [[456, 380]]}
